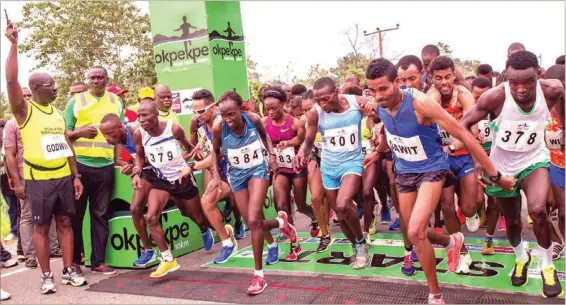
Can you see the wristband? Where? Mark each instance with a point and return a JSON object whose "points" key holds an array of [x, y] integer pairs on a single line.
{"points": [[136, 171]]}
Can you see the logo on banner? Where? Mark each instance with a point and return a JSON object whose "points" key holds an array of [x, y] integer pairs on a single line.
{"points": [[229, 46]]}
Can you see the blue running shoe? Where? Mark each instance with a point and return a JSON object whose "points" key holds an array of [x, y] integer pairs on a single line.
{"points": [[407, 267], [272, 255], [414, 257], [225, 253], [147, 257], [207, 239], [241, 233], [385, 215], [395, 225]]}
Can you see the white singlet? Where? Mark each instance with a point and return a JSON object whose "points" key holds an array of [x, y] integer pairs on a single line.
{"points": [[164, 153]]}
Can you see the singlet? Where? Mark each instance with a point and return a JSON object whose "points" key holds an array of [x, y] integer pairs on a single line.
{"points": [[366, 136], [130, 145], [518, 136], [456, 110], [282, 133], [553, 134], [341, 134], [168, 116], [164, 153], [245, 152], [416, 148], [204, 132], [485, 133]]}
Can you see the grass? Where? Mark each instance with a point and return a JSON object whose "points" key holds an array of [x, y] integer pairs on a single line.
{"points": [[4, 220]]}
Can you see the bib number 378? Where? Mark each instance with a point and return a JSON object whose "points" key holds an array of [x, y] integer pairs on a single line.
{"points": [[520, 136]]}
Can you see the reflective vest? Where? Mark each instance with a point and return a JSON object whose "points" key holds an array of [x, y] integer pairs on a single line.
{"points": [[168, 116], [89, 111]]}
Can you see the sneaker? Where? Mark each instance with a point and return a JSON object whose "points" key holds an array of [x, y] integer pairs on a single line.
{"points": [[488, 248], [465, 262], [454, 254], [353, 255], [165, 267], [78, 269], [47, 283], [21, 257], [473, 223], [4, 295], [408, 268], [557, 250], [287, 230], [323, 244], [57, 253], [367, 237], [31, 262], [314, 229], [10, 237], [362, 257], [208, 239], [414, 257], [550, 284], [258, 285], [461, 216], [241, 233], [395, 226], [146, 258], [272, 255], [435, 300], [293, 253], [385, 215], [70, 277], [104, 269], [501, 226], [373, 226], [9, 263], [227, 251], [519, 276]]}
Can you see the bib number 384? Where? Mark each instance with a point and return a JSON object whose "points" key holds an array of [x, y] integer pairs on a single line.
{"points": [[55, 147], [520, 136], [246, 157], [342, 139]]}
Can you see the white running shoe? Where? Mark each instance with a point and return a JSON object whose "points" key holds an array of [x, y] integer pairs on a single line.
{"points": [[473, 223], [465, 262], [4, 295]]}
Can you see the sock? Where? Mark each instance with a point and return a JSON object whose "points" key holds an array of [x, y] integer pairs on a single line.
{"points": [[546, 257], [227, 243], [521, 252], [258, 273], [451, 243], [167, 256], [361, 241], [273, 245], [281, 222]]}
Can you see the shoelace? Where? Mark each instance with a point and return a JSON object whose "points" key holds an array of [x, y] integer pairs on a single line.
{"points": [[548, 274]]}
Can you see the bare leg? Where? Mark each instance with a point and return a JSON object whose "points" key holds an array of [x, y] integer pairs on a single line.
{"points": [[139, 201]]}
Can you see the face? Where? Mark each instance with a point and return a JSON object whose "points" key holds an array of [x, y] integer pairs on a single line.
{"points": [[427, 59], [297, 112], [307, 105], [230, 113], [522, 84], [46, 90], [97, 80], [26, 93], [203, 111], [273, 108], [77, 89], [384, 91], [326, 98], [477, 92], [164, 99], [443, 81], [147, 116], [287, 90], [111, 132], [411, 78]]}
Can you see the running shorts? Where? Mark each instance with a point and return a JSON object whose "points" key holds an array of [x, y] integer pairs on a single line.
{"points": [[240, 181], [409, 183], [461, 166], [186, 190], [332, 175], [557, 176], [497, 191], [50, 197]]}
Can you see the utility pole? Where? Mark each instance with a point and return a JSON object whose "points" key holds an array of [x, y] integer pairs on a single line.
{"points": [[378, 31]]}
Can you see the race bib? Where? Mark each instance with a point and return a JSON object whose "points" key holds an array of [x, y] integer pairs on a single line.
{"points": [[553, 139], [520, 136], [342, 139], [366, 147], [246, 157], [485, 131], [446, 138], [163, 154], [285, 157], [55, 147], [410, 149]]}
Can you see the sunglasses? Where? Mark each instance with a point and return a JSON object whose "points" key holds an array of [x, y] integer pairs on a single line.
{"points": [[203, 110]]}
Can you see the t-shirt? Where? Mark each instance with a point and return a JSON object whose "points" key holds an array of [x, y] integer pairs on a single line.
{"points": [[13, 138]]}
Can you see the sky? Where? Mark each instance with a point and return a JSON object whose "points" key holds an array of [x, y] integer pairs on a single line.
{"points": [[285, 38]]}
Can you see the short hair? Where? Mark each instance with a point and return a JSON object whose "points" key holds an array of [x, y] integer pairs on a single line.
{"points": [[205, 95], [297, 101], [442, 63], [298, 89], [110, 117], [380, 67], [100, 67], [78, 84], [353, 90], [560, 60], [406, 61], [309, 95], [522, 60], [482, 82], [555, 72], [484, 69], [516, 46], [275, 92], [352, 79], [430, 49], [232, 96], [470, 77], [324, 82]]}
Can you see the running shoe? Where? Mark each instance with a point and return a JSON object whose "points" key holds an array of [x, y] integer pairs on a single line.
{"points": [[288, 230], [47, 283], [57, 253], [473, 223], [31, 262], [293, 253], [313, 228], [454, 254], [385, 215], [557, 250], [395, 226], [465, 262], [461, 216], [104, 269], [367, 237], [208, 239], [69, 276], [147, 257], [272, 255], [21, 257], [78, 269], [488, 248], [9, 263], [165, 267], [353, 255], [519, 277], [227, 251], [258, 285], [4, 295], [323, 244], [10, 237], [362, 256], [408, 268], [502, 225], [550, 283], [414, 257], [241, 233]]}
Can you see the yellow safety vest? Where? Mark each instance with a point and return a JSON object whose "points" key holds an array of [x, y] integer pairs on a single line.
{"points": [[168, 116], [45, 147], [89, 111]]}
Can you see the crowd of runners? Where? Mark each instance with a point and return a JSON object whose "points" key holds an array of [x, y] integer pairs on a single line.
{"points": [[416, 133]]}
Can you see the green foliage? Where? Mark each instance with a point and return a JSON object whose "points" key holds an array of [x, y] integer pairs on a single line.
{"points": [[69, 37]]}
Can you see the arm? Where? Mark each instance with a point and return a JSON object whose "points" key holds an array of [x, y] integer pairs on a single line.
{"points": [[300, 137], [486, 104], [262, 134], [72, 159], [179, 135], [71, 120], [554, 94], [459, 80], [192, 27], [18, 105], [193, 131], [204, 163], [311, 130], [216, 153], [12, 165], [467, 101], [140, 153]]}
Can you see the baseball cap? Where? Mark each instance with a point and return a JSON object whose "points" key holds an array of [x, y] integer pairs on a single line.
{"points": [[116, 90], [146, 92]]}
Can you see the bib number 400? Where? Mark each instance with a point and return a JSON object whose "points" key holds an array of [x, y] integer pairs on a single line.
{"points": [[342, 140]]}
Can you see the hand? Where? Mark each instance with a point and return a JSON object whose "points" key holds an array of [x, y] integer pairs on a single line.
{"points": [[480, 176], [185, 173], [370, 108], [12, 33], [78, 188], [136, 182], [282, 145], [371, 159], [11, 183], [507, 182], [18, 188], [273, 166], [300, 161], [197, 151], [215, 183], [88, 132], [127, 169]]}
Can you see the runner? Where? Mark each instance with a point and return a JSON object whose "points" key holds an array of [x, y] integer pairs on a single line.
{"points": [[163, 97], [52, 181], [287, 134], [513, 48], [519, 110], [160, 142], [201, 123], [484, 70], [242, 138], [430, 52], [339, 120], [420, 162]]}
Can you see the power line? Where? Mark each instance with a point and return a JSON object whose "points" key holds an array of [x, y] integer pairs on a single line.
{"points": [[378, 31]]}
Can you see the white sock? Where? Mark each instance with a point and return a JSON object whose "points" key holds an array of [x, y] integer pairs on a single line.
{"points": [[407, 252], [451, 244], [546, 257], [227, 243], [521, 252], [281, 222], [258, 273], [273, 245], [167, 256]]}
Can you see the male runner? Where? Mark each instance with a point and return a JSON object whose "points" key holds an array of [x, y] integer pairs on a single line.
{"points": [[160, 142], [52, 182], [410, 121], [513, 48], [339, 120], [430, 52], [163, 97], [484, 70], [519, 110]]}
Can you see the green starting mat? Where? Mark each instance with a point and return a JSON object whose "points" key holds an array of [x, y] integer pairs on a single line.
{"points": [[387, 251]]}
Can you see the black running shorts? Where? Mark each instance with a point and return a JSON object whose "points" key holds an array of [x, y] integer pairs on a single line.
{"points": [[408, 183], [50, 197], [186, 190]]}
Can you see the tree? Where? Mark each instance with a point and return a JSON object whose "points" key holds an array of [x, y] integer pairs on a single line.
{"points": [[69, 37], [466, 67]]}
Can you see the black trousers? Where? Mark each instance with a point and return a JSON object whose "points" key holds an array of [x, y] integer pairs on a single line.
{"points": [[98, 183]]}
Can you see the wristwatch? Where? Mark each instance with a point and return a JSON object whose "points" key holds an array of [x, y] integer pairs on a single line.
{"points": [[452, 148], [495, 178], [77, 176]]}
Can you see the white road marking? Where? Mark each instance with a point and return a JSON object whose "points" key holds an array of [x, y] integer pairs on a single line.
{"points": [[24, 269]]}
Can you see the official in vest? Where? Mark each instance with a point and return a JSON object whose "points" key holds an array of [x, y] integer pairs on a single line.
{"points": [[96, 160]]}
